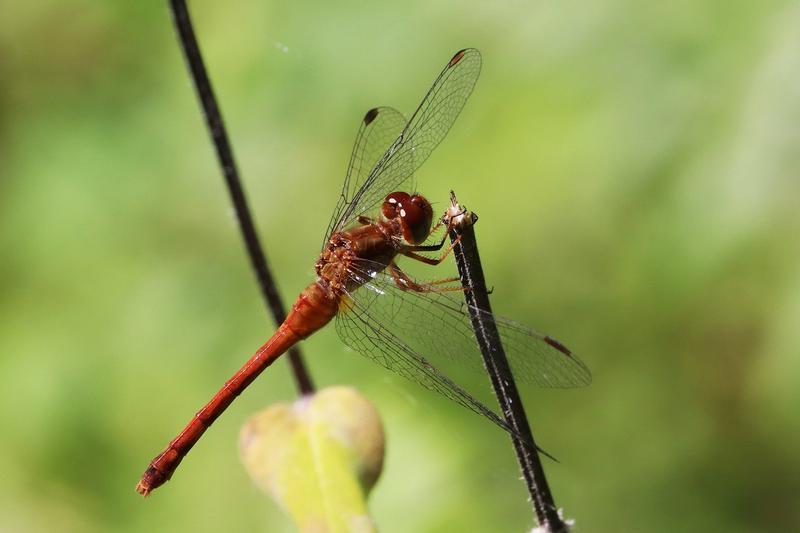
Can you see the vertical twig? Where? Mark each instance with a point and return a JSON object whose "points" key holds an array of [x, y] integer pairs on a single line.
{"points": [[469, 267], [219, 136]]}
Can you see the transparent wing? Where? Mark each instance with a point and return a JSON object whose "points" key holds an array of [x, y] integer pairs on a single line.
{"points": [[438, 325], [380, 128], [420, 335], [366, 334], [424, 131]]}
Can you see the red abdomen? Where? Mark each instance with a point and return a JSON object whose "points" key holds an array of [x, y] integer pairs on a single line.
{"points": [[314, 308]]}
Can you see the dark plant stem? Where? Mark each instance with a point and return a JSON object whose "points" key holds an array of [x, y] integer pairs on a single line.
{"points": [[494, 357], [219, 136]]}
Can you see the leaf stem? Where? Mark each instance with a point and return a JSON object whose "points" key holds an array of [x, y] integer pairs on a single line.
{"points": [[494, 357], [219, 136]]}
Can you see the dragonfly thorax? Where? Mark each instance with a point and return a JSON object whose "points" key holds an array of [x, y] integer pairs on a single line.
{"points": [[349, 254]]}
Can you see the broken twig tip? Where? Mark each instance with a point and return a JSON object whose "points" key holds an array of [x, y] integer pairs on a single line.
{"points": [[457, 216]]}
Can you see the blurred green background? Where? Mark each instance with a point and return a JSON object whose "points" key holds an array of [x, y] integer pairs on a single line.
{"points": [[636, 172]]}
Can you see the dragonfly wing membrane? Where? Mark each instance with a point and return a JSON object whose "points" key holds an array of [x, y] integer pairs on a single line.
{"points": [[380, 128], [421, 134], [367, 335], [438, 324]]}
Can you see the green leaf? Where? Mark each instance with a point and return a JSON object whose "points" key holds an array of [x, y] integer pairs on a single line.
{"points": [[318, 458]]}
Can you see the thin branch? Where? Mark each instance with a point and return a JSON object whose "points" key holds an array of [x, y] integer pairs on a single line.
{"points": [[469, 267], [219, 136]]}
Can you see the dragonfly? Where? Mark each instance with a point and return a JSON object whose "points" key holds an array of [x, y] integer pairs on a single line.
{"points": [[414, 328]]}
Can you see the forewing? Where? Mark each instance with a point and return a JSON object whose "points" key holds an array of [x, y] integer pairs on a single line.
{"points": [[379, 130], [424, 131]]}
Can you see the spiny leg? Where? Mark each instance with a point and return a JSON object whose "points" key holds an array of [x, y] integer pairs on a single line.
{"points": [[409, 251], [405, 283]]}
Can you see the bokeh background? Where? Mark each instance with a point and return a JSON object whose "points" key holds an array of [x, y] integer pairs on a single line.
{"points": [[635, 167]]}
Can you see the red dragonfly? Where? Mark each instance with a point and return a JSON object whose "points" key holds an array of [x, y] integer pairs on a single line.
{"points": [[410, 327]]}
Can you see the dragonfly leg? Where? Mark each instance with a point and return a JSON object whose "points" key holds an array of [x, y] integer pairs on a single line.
{"points": [[443, 281], [425, 248], [364, 220], [405, 283], [410, 251], [428, 248]]}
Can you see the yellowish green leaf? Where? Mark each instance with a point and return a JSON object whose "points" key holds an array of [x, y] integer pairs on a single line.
{"points": [[318, 458]]}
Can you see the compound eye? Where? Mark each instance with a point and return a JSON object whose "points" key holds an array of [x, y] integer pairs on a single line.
{"points": [[417, 215], [393, 204]]}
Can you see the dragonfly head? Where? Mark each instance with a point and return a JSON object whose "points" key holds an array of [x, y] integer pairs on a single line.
{"points": [[414, 213]]}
